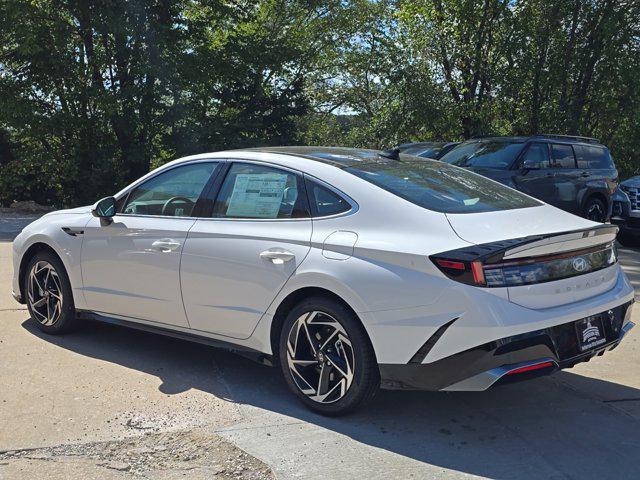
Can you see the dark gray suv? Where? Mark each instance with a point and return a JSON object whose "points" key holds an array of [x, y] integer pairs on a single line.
{"points": [[575, 174]]}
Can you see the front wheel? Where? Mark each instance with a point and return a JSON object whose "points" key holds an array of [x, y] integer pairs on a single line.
{"points": [[595, 210], [326, 357], [49, 296]]}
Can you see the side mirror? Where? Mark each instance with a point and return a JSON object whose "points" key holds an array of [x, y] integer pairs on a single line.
{"points": [[104, 209]]}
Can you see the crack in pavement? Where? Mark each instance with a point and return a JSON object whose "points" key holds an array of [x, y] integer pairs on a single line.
{"points": [[150, 454]]}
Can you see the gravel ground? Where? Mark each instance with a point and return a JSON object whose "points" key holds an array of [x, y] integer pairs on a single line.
{"points": [[191, 453], [113, 403]]}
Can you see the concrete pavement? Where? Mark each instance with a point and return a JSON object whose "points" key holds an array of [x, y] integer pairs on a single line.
{"points": [[107, 389]]}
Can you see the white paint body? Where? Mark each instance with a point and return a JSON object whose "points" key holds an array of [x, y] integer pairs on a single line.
{"points": [[215, 284]]}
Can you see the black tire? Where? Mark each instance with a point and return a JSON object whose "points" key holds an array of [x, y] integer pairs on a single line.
{"points": [[595, 210], [349, 340], [66, 318], [627, 240]]}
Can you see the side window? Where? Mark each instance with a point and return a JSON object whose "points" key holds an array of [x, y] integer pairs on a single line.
{"points": [[538, 154], [257, 191], [593, 157], [172, 193], [325, 202], [562, 156]]}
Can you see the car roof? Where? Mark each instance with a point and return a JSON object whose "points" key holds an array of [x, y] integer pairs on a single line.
{"points": [[546, 138], [406, 146], [340, 157]]}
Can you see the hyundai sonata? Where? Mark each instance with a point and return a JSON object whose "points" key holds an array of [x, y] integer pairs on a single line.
{"points": [[349, 269]]}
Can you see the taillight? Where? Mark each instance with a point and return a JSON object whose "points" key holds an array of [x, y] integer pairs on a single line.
{"points": [[463, 271], [526, 271], [529, 368]]}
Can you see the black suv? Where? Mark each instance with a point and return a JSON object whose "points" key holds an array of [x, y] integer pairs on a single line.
{"points": [[575, 174], [626, 211]]}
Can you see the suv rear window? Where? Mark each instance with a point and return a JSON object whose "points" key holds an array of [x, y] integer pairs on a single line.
{"points": [[489, 154], [590, 156], [441, 187]]}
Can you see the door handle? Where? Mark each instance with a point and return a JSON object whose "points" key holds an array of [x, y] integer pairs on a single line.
{"points": [[277, 257], [165, 245], [585, 174]]}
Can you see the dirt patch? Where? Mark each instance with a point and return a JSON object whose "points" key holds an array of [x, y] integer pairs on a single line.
{"points": [[160, 455]]}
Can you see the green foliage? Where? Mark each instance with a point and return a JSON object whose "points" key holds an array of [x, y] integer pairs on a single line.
{"points": [[94, 94]]}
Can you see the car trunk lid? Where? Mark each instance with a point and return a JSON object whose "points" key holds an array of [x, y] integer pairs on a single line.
{"points": [[545, 257]]}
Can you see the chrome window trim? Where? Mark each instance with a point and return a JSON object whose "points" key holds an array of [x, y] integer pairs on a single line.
{"points": [[354, 205]]}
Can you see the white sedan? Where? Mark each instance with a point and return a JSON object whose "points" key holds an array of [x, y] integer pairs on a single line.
{"points": [[349, 269]]}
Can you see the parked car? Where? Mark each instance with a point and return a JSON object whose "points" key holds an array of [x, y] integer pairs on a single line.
{"points": [[433, 150], [576, 174], [626, 211], [347, 269]]}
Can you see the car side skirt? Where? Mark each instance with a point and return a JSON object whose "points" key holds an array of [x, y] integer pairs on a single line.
{"points": [[243, 351]]}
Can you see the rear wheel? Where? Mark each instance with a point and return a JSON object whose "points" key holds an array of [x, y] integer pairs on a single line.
{"points": [[48, 294], [595, 210], [326, 357]]}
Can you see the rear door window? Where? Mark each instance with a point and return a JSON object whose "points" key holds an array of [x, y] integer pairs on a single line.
{"points": [[260, 192], [562, 156], [593, 157]]}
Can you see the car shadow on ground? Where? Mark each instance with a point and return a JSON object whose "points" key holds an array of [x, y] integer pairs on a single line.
{"points": [[542, 428]]}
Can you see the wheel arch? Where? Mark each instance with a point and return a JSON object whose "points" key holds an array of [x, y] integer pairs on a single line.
{"points": [[38, 246], [292, 299]]}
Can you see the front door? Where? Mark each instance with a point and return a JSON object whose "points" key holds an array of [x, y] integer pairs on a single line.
{"points": [[131, 267], [537, 181], [235, 263]]}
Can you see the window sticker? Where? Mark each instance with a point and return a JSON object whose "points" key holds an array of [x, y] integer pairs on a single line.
{"points": [[257, 195]]}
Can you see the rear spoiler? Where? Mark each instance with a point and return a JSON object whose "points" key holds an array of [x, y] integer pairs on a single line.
{"points": [[534, 245], [520, 261]]}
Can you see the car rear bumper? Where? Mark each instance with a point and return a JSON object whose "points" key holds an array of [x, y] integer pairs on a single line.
{"points": [[507, 359], [629, 225]]}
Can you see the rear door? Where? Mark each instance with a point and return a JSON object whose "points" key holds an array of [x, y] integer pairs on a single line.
{"points": [[568, 179], [235, 262]]}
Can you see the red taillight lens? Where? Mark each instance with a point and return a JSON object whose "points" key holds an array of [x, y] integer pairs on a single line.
{"points": [[451, 264], [530, 368], [466, 272], [478, 273]]}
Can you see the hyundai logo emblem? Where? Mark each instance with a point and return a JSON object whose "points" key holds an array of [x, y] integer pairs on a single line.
{"points": [[580, 264]]}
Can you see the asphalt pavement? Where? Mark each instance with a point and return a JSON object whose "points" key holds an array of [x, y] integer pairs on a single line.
{"points": [[101, 400]]}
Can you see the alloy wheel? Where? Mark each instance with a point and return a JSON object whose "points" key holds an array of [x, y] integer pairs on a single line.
{"points": [[595, 213], [320, 357], [45, 293]]}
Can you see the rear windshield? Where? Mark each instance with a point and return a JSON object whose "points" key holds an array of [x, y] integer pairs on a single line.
{"points": [[489, 154], [441, 187]]}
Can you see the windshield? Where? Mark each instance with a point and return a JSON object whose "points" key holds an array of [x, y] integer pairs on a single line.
{"points": [[423, 151], [441, 187], [489, 154]]}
